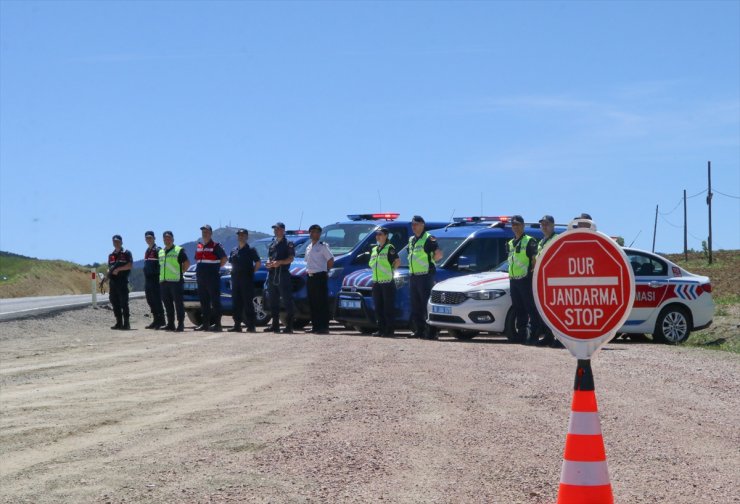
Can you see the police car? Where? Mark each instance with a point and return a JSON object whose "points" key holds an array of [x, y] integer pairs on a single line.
{"points": [[190, 295], [468, 244], [351, 242], [670, 302]]}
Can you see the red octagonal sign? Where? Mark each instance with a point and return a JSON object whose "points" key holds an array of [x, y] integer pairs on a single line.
{"points": [[584, 289]]}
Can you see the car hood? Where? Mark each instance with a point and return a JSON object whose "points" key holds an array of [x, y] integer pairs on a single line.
{"points": [[360, 279], [475, 282]]}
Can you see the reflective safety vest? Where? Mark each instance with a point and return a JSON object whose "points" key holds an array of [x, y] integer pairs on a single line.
{"points": [[519, 261], [170, 269], [381, 266], [544, 242], [207, 253], [418, 259]]}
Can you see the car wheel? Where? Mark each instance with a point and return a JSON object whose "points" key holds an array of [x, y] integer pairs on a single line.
{"points": [[462, 335], [510, 327], [672, 326], [195, 317], [262, 318]]}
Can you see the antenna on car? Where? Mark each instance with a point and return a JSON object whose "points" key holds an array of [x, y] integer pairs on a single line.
{"points": [[380, 203], [452, 217], [300, 221], [633, 241]]}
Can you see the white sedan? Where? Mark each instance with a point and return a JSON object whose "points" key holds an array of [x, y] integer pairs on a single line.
{"points": [[670, 302]]}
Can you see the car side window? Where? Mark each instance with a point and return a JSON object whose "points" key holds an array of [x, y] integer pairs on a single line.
{"points": [[644, 265], [484, 254], [399, 238]]}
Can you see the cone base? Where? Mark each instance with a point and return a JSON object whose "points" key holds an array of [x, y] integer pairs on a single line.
{"points": [[572, 494]]}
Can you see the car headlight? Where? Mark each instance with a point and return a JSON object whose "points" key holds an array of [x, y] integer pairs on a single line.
{"points": [[335, 272], [400, 280], [485, 295]]}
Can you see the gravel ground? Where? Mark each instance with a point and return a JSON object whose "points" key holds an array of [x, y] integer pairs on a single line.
{"points": [[93, 415]]}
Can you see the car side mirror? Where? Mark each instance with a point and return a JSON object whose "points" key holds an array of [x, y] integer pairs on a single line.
{"points": [[362, 258]]}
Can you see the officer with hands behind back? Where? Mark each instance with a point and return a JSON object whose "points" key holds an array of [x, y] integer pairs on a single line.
{"points": [[120, 263], [522, 250], [172, 262], [151, 281], [209, 256], [244, 264], [383, 260], [279, 285], [319, 260], [423, 251]]}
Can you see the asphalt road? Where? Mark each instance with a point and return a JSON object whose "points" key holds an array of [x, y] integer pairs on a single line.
{"points": [[16, 308]]}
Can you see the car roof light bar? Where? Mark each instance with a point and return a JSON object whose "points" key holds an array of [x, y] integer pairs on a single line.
{"points": [[388, 216]]}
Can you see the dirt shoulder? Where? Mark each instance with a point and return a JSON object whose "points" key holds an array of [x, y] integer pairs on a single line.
{"points": [[93, 415]]}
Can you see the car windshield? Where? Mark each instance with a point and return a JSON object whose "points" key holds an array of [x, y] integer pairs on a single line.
{"points": [[446, 245], [261, 248], [341, 238], [504, 267]]}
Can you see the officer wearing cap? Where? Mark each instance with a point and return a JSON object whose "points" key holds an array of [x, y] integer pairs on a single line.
{"points": [[423, 252], [383, 260], [244, 263], [319, 260], [120, 263], [547, 225], [582, 217], [173, 261], [522, 250], [209, 256], [151, 281], [279, 286]]}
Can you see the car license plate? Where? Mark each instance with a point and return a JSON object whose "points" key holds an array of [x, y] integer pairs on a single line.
{"points": [[190, 286], [350, 304], [446, 310]]}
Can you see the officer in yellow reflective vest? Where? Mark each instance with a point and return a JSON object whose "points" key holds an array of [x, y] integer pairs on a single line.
{"points": [[423, 252], [172, 262], [547, 225], [383, 260], [522, 250]]}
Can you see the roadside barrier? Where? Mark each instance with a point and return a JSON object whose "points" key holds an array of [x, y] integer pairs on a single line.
{"points": [[585, 476]]}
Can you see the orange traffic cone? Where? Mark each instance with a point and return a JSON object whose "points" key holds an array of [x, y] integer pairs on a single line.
{"points": [[585, 476]]}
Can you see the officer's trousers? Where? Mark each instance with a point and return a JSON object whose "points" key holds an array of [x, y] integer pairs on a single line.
{"points": [[421, 289], [279, 286], [153, 296], [172, 298], [242, 297], [384, 299], [209, 293], [318, 300], [525, 311], [119, 297]]}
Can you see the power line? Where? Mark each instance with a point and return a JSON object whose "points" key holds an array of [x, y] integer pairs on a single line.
{"points": [[697, 194], [728, 195], [674, 208], [670, 223]]}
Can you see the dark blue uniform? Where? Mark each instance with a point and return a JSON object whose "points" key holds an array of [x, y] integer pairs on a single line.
{"points": [[119, 285], [151, 285], [421, 288], [279, 285], [242, 262], [522, 298], [208, 257]]}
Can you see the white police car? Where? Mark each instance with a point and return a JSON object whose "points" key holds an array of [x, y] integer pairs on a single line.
{"points": [[670, 302]]}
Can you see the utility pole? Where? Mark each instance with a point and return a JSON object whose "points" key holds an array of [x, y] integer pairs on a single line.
{"points": [[655, 226], [709, 204], [685, 230]]}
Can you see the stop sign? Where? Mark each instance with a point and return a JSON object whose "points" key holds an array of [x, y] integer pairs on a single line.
{"points": [[584, 289]]}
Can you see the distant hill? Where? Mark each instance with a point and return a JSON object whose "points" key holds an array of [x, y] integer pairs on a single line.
{"points": [[22, 276]]}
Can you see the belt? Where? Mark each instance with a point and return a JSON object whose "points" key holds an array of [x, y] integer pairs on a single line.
{"points": [[318, 273]]}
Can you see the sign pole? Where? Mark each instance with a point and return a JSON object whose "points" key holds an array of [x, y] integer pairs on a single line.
{"points": [[94, 286]]}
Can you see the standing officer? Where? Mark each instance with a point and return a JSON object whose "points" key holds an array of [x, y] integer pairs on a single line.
{"points": [[423, 252], [120, 263], [244, 264], [547, 225], [209, 256], [172, 262], [151, 281], [279, 285], [383, 260], [319, 260], [522, 251]]}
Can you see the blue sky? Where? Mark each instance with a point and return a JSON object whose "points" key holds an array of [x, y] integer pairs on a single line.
{"points": [[118, 117]]}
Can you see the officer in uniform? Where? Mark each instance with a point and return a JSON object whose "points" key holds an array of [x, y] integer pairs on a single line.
{"points": [[522, 250], [319, 260], [547, 225], [120, 263], [279, 285], [383, 260], [244, 264], [151, 281], [582, 217], [209, 256], [423, 252], [172, 262]]}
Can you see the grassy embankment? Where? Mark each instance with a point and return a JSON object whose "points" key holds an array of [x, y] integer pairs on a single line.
{"points": [[22, 276]]}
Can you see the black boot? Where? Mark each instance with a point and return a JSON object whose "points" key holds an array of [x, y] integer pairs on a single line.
{"points": [[153, 325], [274, 327], [168, 327], [288, 326], [237, 327], [201, 327], [159, 321], [126, 325], [251, 328], [180, 326], [118, 325]]}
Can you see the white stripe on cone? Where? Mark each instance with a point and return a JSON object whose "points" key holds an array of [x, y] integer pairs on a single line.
{"points": [[585, 473], [584, 423]]}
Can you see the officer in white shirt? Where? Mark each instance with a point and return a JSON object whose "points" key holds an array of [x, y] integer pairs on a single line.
{"points": [[319, 260]]}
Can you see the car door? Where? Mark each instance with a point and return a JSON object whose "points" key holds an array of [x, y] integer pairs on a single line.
{"points": [[651, 289]]}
